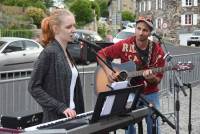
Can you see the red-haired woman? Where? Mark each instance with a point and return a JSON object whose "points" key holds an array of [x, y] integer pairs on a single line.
{"points": [[55, 82]]}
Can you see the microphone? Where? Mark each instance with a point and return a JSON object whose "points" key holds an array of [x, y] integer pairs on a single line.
{"points": [[90, 44], [156, 35]]}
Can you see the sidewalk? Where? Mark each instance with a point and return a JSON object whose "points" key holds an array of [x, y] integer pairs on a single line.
{"points": [[183, 114]]}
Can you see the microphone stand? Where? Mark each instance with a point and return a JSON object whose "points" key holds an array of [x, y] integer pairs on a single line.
{"points": [[189, 85], [120, 76], [90, 46], [156, 114], [179, 84]]}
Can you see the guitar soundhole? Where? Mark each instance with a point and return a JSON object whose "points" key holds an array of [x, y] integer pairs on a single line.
{"points": [[123, 76]]}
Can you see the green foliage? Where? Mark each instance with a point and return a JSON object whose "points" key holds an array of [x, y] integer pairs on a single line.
{"points": [[68, 2], [103, 29], [48, 3], [96, 7], [83, 11], [37, 14], [103, 8], [26, 3], [128, 16], [24, 33]]}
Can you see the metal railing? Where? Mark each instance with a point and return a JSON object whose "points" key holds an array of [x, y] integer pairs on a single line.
{"points": [[14, 96]]}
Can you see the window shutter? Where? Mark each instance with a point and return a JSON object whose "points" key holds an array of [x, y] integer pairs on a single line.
{"points": [[149, 8], [144, 5], [140, 7], [183, 3], [156, 4], [195, 3], [156, 23], [182, 19], [161, 4], [195, 19]]}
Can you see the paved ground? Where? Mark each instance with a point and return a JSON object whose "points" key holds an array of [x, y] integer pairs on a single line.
{"points": [[184, 114]]}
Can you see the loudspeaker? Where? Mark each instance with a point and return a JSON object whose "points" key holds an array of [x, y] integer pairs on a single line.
{"points": [[21, 122]]}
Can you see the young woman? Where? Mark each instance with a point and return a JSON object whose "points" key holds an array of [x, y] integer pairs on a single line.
{"points": [[55, 82]]}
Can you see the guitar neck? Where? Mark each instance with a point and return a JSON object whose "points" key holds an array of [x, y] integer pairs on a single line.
{"points": [[155, 70]]}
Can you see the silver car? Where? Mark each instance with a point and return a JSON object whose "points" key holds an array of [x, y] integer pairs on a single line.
{"points": [[18, 53]]}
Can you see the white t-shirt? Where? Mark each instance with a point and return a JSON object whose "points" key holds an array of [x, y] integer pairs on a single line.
{"points": [[72, 86]]}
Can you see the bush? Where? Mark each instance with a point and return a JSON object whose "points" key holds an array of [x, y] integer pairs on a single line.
{"points": [[103, 29], [37, 14], [128, 16], [24, 33]]}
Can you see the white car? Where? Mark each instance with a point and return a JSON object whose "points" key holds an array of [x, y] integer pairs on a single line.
{"points": [[18, 53], [123, 34], [194, 38]]}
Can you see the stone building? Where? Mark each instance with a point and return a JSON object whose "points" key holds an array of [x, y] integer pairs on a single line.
{"points": [[171, 17], [115, 8]]}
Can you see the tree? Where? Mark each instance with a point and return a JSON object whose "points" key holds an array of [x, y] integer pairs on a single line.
{"points": [[95, 7], [27, 3], [48, 3], [83, 11], [103, 4], [68, 2], [127, 15], [37, 14]]}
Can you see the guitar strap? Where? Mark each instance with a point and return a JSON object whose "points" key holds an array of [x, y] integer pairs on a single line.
{"points": [[145, 55]]}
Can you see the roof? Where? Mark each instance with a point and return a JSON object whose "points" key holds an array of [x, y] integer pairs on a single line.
{"points": [[85, 31], [10, 39]]}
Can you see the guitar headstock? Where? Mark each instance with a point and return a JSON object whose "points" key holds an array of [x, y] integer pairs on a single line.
{"points": [[183, 66]]}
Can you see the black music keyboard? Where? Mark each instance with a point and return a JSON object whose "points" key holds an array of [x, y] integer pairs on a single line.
{"points": [[104, 125], [66, 123]]}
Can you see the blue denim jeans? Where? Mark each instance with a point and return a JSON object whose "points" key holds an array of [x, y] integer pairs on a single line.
{"points": [[154, 99]]}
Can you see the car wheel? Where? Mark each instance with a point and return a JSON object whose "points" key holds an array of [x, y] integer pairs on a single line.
{"points": [[188, 44]]}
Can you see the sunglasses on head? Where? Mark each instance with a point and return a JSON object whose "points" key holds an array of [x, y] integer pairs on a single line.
{"points": [[145, 18]]}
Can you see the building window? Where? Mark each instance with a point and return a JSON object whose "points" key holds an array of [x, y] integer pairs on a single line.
{"points": [[144, 8], [159, 23], [188, 2], [149, 5], [140, 7], [188, 19]]}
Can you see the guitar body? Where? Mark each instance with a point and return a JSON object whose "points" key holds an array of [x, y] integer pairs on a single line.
{"points": [[101, 80], [128, 71]]}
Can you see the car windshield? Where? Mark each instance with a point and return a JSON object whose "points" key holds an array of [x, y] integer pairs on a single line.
{"points": [[196, 33], [124, 35], [2, 43]]}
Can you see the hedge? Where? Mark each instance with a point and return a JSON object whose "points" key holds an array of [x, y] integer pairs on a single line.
{"points": [[24, 33]]}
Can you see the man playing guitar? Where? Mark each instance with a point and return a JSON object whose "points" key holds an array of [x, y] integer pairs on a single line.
{"points": [[146, 54]]}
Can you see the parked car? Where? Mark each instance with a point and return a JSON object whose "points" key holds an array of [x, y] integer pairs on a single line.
{"points": [[123, 34], [194, 38], [18, 53], [80, 51]]}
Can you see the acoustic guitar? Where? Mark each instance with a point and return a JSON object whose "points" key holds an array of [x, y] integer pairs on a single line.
{"points": [[128, 70]]}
